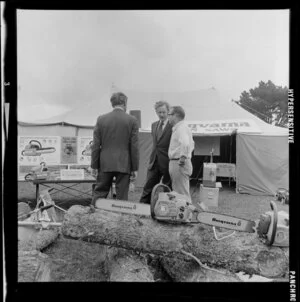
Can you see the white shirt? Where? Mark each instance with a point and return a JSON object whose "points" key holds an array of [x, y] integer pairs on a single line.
{"points": [[181, 143], [119, 107], [164, 125]]}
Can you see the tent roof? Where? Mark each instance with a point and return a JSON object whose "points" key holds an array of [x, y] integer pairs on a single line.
{"points": [[200, 106]]}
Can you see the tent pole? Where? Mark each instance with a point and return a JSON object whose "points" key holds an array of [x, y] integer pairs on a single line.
{"points": [[230, 148], [230, 153]]}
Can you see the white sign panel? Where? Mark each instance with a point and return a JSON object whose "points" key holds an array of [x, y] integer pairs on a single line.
{"points": [[32, 150], [226, 170], [84, 150], [224, 126], [71, 174]]}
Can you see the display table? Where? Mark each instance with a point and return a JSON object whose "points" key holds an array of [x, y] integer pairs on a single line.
{"points": [[65, 186]]}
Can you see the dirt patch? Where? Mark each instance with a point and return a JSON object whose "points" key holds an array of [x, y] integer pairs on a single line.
{"points": [[75, 260]]}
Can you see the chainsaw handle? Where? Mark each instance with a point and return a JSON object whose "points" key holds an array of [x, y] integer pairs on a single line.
{"points": [[160, 187], [35, 141], [275, 220]]}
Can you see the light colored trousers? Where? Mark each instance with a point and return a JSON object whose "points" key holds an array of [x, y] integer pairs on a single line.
{"points": [[180, 177]]}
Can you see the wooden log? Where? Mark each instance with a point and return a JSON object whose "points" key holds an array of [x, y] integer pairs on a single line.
{"points": [[123, 265], [39, 239], [33, 266], [242, 252], [183, 271]]}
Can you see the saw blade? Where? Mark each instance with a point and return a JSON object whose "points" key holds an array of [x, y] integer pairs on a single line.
{"points": [[123, 206], [227, 222]]}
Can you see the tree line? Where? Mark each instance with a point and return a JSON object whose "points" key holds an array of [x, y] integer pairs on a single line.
{"points": [[268, 102]]}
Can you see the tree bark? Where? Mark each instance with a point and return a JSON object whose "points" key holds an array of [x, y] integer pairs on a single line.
{"points": [[242, 252], [123, 265]]}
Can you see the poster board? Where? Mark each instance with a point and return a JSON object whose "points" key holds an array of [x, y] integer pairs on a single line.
{"points": [[58, 152], [32, 150], [84, 150], [68, 153]]}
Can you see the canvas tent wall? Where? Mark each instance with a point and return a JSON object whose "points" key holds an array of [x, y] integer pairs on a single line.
{"points": [[262, 165], [208, 116]]}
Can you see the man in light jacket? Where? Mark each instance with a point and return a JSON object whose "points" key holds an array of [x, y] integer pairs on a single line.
{"points": [[180, 152]]}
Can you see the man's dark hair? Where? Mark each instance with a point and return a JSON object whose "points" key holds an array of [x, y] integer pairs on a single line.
{"points": [[178, 110], [160, 104], [118, 98]]}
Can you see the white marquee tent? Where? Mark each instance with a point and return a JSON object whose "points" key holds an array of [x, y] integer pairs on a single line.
{"points": [[261, 149]]}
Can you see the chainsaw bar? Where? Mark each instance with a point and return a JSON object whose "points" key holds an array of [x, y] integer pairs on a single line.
{"points": [[210, 218], [123, 206], [226, 221]]}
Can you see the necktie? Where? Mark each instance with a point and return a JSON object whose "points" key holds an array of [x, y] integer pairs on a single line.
{"points": [[160, 130]]}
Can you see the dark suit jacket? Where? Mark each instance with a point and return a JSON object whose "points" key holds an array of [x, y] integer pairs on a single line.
{"points": [[115, 143], [160, 147]]}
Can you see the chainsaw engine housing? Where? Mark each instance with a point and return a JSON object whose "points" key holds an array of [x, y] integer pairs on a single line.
{"points": [[265, 228], [173, 207], [282, 195]]}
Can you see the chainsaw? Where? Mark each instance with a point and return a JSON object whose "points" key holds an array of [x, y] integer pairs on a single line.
{"points": [[38, 172], [282, 195], [88, 149], [169, 206], [34, 148]]}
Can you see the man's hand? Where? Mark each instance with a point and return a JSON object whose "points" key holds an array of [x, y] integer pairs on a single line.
{"points": [[182, 161], [94, 172], [133, 175]]}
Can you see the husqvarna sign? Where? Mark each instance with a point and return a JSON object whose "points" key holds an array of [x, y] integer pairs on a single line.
{"points": [[224, 126]]}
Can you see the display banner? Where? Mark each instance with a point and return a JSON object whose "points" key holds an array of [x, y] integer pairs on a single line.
{"points": [[223, 127], [68, 150], [32, 150], [84, 150]]}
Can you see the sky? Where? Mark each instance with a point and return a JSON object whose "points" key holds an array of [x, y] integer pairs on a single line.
{"points": [[70, 58]]}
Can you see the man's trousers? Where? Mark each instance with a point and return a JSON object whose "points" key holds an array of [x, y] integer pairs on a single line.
{"points": [[104, 183], [180, 177], [153, 178]]}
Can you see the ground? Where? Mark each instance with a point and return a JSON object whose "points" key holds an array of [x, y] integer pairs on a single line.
{"points": [[82, 261]]}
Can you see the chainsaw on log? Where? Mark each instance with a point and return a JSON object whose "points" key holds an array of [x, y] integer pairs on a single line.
{"points": [[171, 207], [273, 226]]}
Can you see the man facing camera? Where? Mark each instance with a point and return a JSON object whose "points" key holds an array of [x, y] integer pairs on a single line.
{"points": [[115, 150], [159, 161], [180, 152]]}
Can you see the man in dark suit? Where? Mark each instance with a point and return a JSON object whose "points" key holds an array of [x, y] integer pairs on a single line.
{"points": [[115, 150], [159, 160]]}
